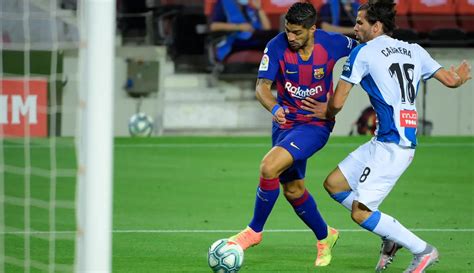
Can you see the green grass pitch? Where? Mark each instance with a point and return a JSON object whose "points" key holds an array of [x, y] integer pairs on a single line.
{"points": [[174, 196]]}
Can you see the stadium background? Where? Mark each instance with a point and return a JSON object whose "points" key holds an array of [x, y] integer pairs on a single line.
{"points": [[202, 96]]}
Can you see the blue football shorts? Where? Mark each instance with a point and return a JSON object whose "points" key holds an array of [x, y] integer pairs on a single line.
{"points": [[301, 141]]}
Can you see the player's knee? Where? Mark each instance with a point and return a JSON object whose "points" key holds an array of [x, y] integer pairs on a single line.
{"points": [[293, 192], [329, 185], [268, 170], [336, 182]]}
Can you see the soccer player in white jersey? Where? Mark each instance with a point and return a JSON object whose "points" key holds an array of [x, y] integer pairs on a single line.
{"points": [[389, 71]]}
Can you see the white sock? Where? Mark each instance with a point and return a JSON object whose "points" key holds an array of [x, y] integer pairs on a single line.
{"points": [[389, 228], [345, 198], [347, 203]]}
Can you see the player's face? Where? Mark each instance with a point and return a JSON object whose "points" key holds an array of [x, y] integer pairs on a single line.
{"points": [[362, 27], [297, 35]]}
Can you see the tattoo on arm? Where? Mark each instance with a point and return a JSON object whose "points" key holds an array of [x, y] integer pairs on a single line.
{"points": [[263, 81]]}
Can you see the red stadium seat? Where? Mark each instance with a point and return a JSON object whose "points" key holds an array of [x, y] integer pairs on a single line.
{"points": [[276, 21], [445, 7], [427, 16], [246, 56], [208, 5], [465, 13], [402, 7], [277, 7], [404, 30], [401, 19], [438, 20]]}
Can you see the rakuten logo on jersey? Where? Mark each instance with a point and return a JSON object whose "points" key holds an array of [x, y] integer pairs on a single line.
{"points": [[408, 118], [299, 93]]}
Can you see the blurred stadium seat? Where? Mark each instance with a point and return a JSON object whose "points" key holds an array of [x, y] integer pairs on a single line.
{"points": [[440, 23], [242, 64], [404, 29], [402, 19], [447, 37], [429, 15], [465, 15], [134, 22], [163, 21], [175, 24], [437, 21], [179, 23], [406, 34]]}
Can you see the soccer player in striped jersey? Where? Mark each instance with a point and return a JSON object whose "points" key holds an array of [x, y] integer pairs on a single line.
{"points": [[301, 62], [390, 72]]}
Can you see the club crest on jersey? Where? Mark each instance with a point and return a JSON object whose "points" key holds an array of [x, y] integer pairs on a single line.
{"points": [[318, 73]]}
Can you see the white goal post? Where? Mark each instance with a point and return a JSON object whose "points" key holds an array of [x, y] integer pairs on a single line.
{"points": [[94, 192]]}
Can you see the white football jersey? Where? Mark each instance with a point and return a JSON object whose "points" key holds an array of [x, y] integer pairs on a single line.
{"points": [[390, 71]]}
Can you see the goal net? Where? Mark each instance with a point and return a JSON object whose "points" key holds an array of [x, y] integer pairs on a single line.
{"points": [[51, 217]]}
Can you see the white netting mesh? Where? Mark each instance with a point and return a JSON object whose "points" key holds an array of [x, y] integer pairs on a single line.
{"points": [[37, 168]]}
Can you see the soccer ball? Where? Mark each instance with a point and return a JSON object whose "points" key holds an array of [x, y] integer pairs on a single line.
{"points": [[225, 256], [141, 125]]}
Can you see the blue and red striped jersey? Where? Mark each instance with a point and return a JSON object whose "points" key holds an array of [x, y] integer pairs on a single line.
{"points": [[297, 79]]}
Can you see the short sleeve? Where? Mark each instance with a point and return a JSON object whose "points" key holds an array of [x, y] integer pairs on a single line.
{"points": [[428, 65], [269, 65], [356, 66], [342, 45]]}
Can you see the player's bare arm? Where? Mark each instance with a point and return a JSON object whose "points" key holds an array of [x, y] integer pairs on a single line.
{"points": [[454, 77], [265, 97], [257, 4], [229, 27], [329, 109], [337, 101], [264, 94]]}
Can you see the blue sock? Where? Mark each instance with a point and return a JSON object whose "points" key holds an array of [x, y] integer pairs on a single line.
{"points": [[306, 208], [371, 222], [267, 194]]}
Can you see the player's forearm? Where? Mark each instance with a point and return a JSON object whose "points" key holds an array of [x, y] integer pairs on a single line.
{"points": [[454, 77], [266, 25], [264, 94], [447, 78], [336, 102], [332, 111], [335, 105], [221, 26], [266, 98]]}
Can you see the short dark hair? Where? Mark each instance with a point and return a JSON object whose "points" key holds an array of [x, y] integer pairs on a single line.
{"points": [[302, 14], [382, 11]]}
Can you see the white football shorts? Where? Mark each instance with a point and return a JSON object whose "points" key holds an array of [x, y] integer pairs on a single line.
{"points": [[373, 169]]}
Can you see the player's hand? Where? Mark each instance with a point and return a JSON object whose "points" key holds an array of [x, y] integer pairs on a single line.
{"points": [[279, 113], [463, 71], [318, 109], [257, 4]]}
